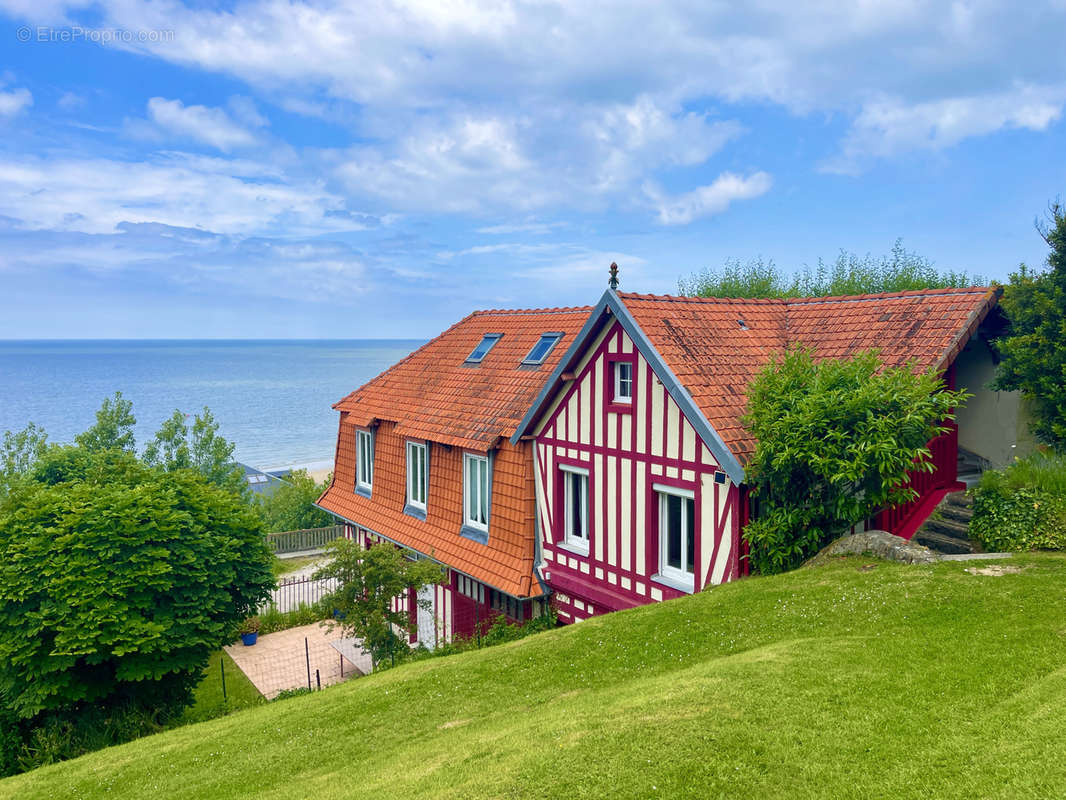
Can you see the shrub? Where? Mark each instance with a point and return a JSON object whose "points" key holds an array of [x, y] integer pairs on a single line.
{"points": [[899, 271], [119, 581], [1022, 507], [835, 441], [292, 505], [272, 620]]}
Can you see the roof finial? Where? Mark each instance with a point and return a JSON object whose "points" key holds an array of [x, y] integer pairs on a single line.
{"points": [[613, 282]]}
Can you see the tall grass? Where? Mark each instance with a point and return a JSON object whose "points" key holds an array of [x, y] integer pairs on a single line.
{"points": [[1045, 472]]}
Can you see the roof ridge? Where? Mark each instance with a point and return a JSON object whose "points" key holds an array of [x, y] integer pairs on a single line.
{"points": [[678, 298], [499, 312], [844, 298]]}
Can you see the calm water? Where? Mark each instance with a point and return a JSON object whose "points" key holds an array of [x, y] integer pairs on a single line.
{"points": [[272, 398]]}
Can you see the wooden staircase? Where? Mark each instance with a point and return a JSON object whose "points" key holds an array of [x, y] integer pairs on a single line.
{"points": [[947, 530]]}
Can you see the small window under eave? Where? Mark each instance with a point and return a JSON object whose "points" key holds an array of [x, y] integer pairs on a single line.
{"points": [[542, 348], [483, 348]]}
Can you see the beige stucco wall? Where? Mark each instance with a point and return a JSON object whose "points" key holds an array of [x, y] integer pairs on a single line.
{"points": [[992, 424]]}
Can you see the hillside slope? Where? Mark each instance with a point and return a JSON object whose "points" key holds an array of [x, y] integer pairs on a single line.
{"points": [[841, 681]]}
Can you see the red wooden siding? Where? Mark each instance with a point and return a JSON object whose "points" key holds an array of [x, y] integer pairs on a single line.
{"points": [[627, 450]]}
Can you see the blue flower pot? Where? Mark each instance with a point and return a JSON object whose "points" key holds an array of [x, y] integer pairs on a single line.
{"points": [[249, 638]]}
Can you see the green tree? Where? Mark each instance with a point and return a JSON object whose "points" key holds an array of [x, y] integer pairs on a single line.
{"points": [[113, 429], [835, 440], [200, 448], [117, 581], [900, 270], [19, 452], [368, 581], [292, 505], [1034, 350]]}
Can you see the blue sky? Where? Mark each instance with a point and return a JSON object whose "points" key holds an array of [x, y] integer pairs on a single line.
{"points": [[277, 168]]}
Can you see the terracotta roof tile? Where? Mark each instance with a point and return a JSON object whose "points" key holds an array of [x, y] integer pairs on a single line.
{"points": [[716, 346], [433, 394]]}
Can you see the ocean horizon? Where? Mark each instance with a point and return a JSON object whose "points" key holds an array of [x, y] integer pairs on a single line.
{"points": [[271, 397]]}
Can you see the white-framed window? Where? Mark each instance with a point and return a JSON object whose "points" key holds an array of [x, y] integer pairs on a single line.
{"points": [[417, 474], [476, 491], [576, 506], [677, 533], [623, 381], [545, 344], [364, 460]]}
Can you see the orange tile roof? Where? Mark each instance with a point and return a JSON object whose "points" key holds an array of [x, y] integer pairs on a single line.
{"points": [[433, 395], [716, 346], [504, 562]]}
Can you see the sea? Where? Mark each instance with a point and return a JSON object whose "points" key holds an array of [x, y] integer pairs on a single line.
{"points": [[271, 398]]}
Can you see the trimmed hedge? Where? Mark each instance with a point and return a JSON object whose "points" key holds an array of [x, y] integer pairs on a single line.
{"points": [[1022, 507]]}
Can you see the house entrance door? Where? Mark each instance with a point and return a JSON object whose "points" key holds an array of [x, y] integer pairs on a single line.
{"points": [[427, 617]]}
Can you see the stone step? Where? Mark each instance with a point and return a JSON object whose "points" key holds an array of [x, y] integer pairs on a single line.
{"points": [[960, 514], [948, 527], [941, 543], [958, 499]]}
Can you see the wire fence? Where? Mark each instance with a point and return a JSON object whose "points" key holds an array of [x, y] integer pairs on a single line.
{"points": [[306, 658], [307, 539]]}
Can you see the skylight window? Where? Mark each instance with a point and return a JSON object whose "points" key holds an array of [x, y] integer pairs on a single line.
{"points": [[483, 348], [541, 349]]}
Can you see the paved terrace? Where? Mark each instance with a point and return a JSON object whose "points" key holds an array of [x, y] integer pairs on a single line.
{"points": [[278, 661]]}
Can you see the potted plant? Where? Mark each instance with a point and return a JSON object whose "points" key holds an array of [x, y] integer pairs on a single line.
{"points": [[249, 631]]}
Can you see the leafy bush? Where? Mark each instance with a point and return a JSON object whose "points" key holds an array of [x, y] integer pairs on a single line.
{"points": [[272, 620], [369, 580], [899, 271], [285, 694], [494, 631], [118, 582], [58, 736], [291, 506], [835, 441], [1034, 352], [1022, 507]]}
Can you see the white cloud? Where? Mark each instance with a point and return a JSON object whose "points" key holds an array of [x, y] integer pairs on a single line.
{"points": [[234, 197], [705, 201], [527, 61], [532, 228], [70, 101], [887, 127], [583, 157], [244, 110], [211, 126], [14, 101]]}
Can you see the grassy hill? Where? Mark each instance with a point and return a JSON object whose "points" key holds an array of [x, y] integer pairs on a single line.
{"points": [[843, 681]]}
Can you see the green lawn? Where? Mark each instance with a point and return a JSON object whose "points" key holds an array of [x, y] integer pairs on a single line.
{"points": [[283, 566], [209, 701], [833, 682]]}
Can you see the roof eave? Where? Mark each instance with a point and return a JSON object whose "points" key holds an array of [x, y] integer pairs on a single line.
{"points": [[969, 328], [613, 303]]}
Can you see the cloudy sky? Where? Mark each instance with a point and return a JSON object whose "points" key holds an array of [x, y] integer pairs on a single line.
{"points": [[278, 168]]}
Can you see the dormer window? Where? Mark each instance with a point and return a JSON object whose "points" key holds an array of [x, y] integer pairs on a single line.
{"points": [[542, 348], [482, 350], [623, 381]]}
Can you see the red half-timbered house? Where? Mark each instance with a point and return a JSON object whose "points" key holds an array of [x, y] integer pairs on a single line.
{"points": [[597, 455], [639, 445]]}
